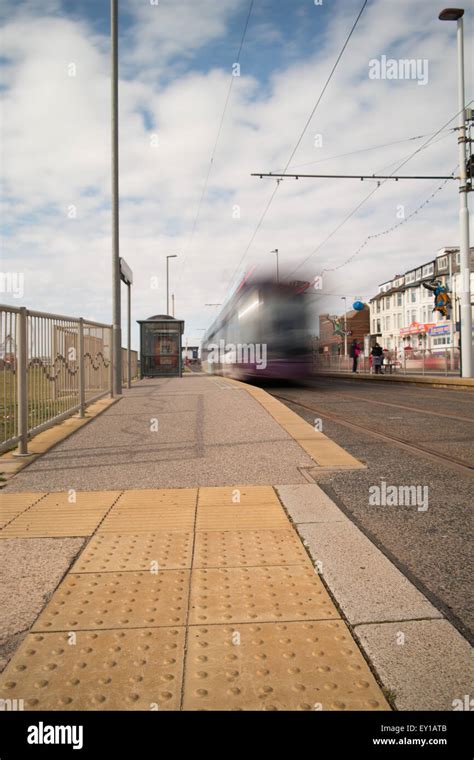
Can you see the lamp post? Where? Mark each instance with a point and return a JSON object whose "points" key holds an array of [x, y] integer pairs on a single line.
{"points": [[278, 273], [343, 298], [116, 310], [456, 14], [172, 256]]}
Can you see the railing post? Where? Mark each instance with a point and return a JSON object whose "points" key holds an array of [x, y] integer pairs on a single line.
{"points": [[446, 361], [22, 381], [82, 375], [111, 365]]}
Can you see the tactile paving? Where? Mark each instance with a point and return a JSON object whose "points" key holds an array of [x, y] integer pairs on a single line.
{"points": [[278, 666], [228, 595], [62, 514], [248, 548], [102, 670], [135, 551], [12, 504], [152, 511], [247, 495], [117, 600]]}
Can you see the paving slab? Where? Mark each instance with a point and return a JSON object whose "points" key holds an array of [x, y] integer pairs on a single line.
{"points": [[224, 595], [367, 586], [13, 504], [136, 551], [278, 666], [426, 664], [61, 514], [101, 670], [247, 548], [309, 504], [117, 600], [30, 571]]}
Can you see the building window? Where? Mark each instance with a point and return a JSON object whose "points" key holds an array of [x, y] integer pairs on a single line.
{"points": [[418, 274], [399, 320], [413, 295], [399, 299], [428, 270], [458, 258], [387, 302], [378, 326], [378, 307], [387, 323], [410, 277], [442, 263]]}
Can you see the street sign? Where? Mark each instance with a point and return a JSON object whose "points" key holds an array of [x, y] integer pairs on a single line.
{"points": [[126, 273]]}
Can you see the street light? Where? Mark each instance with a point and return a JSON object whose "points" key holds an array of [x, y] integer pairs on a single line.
{"points": [[172, 256], [278, 273], [116, 311], [343, 298], [456, 14]]}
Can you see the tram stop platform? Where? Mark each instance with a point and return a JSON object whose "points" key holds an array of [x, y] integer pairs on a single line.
{"points": [[177, 553]]}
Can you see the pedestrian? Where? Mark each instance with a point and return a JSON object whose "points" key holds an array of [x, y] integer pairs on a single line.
{"points": [[354, 353], [377, 357]]}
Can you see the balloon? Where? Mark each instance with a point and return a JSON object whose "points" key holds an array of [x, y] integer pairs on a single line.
{"points": [[358, 305]]}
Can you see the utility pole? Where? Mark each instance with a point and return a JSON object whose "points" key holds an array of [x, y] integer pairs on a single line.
{"points": [[116, 310], [278, 271], [456, 14], [171, 256], [343, 298]]}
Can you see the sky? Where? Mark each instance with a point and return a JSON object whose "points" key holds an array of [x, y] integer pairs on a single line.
{"points": [[184, 117]]}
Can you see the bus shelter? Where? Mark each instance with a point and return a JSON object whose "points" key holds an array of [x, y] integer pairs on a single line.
{"points": [[161, 346]]}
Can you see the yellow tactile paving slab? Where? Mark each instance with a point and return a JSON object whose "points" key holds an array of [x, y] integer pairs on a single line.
{"points": [[267, 594], [152, 511], [136, 551], [62, 514], [117, 600], [284, 666], [248, 548], [13, 504], [240, 517], [103, 670], [239, 508], [243, 495], [325, 452], [178, 497]]}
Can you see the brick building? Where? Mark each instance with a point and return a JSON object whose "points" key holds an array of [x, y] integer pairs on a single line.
{"points": [[358, 325]]}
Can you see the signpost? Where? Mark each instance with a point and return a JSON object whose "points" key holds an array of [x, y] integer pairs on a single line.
{"points": [[126, 275]]}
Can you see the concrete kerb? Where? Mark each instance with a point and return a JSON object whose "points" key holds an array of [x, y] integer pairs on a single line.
{"points": [[396, 626], [433, 380]]}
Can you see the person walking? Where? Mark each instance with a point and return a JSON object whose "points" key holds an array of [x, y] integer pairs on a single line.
{"points": [[354, 354], [377, 358]]}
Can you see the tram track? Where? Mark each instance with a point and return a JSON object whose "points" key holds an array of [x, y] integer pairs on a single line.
{"points": [[422, 451]]}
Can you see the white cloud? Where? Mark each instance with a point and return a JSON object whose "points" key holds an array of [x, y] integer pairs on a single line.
{"points": [[57, 153]]}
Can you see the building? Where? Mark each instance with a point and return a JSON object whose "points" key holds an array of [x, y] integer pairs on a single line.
{"points": [[190, 353], [358, 325], [401, 314]]}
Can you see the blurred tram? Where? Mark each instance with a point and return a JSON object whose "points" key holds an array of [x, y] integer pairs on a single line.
{"points": [[262, 332]]}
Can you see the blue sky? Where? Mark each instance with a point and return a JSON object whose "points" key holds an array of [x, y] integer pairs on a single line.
{"points": [[175, 72]]}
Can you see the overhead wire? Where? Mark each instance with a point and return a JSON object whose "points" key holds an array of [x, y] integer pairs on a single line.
{"points": [[298, 142]]}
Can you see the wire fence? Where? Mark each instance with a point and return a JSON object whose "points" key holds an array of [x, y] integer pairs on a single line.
{"points": [[51, 366]]}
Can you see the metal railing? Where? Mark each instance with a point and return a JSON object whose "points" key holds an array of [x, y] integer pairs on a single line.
{"points": [[133, 366], [416, 362], [51, 366]]}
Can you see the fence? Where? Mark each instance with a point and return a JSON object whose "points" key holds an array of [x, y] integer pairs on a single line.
{"points": [[417, 362], [51, 366]]}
